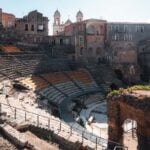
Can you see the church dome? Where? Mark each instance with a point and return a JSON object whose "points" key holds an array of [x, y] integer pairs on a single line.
{"points": [[57, 13], [68, 21], [79, 14]]}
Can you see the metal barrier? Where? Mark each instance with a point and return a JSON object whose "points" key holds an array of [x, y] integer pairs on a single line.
{"points": [[55, 124]]}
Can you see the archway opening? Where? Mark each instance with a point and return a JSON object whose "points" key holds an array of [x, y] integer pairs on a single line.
{"points": [[114, 86], [119, 74], [130, 134], [61, 41], [145, 75]]}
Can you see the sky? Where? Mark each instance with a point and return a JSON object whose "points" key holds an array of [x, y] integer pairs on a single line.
{"points": [[110, 10]]}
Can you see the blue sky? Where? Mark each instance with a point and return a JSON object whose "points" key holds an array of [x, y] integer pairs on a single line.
{"points": [[111, 10]]}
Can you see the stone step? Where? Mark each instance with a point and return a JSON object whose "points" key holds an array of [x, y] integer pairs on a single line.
{"points": [[14, 135]]}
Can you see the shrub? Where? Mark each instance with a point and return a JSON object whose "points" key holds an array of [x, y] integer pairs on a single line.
{"points": [[129, 89]]}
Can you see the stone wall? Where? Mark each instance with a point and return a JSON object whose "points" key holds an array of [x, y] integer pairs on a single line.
{"points": [[34, 23], [88, 38], [129, 106], [55, 138], [7, 20], [122, 52]]}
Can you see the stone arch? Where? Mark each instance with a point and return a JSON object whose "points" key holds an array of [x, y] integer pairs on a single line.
{"points": [[119, 74], [130, 131], [126, 106]]}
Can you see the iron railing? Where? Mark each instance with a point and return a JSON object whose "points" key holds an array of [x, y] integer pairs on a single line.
{"points": [[55, 124]]}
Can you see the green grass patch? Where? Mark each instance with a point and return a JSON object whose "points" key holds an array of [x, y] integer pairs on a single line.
{"points": [[139, 87], [129, 89]]}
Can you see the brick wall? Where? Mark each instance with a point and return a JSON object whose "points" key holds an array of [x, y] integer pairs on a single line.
{"points": [[8, 20], [124, 107]]}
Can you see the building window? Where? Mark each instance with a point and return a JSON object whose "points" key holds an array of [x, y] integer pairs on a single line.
{"points": [[61, 41], [125, 37], [91, 30], [116, 37], [81, 40], [81, 51], [98, 50], [97, 32], [130, 37], [139, 28], [126, 28], [26, 27], [143, 49], [142, 28], [57, 22], [101, 29], [117, 28], [90, 52], [32, 27], [40, 27], [115, 53], [111, 28]]}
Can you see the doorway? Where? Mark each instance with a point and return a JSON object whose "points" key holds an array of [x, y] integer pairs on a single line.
{"points": [[119, 74]]}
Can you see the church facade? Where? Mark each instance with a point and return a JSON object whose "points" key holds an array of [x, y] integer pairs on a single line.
{"points": [[59, 27]]}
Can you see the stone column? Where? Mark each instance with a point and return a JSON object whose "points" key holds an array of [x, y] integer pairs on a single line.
{"points": [[115, 130]]}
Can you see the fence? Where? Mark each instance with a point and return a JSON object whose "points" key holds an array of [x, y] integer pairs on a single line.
{"points": [[55, 124]]}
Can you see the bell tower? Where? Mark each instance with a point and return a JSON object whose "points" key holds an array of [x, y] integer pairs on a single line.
{"points": [[57, 18], [79, 16], [57, 23]]}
